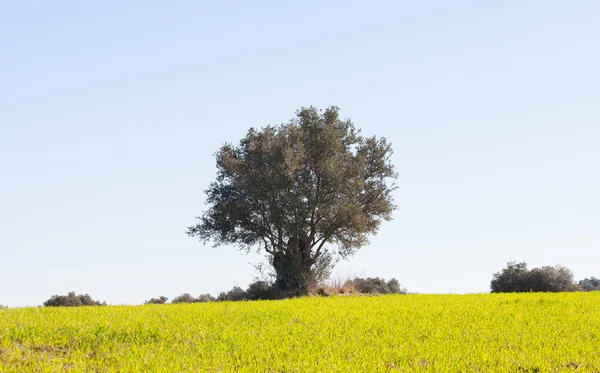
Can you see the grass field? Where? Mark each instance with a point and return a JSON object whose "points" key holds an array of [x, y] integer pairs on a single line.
{"points": [[436, 333]]}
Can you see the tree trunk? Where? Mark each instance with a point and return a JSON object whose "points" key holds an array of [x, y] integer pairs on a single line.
{"points": [[293, 268]]}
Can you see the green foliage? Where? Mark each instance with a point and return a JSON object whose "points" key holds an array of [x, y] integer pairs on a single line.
{"points": [[203, 298], [72, 300], [260, 290], [299, 190], [545, 332], [516, 278], [376, 285], [184, 298], [590, 284], [159, 300], [187, 298], [256, 291], [235, 294], [512, 279]]}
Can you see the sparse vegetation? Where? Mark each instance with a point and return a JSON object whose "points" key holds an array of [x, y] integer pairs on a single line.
{"points": [[264, 290], [360, 286]]}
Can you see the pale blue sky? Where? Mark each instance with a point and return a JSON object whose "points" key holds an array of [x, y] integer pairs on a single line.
{"points": [[110, 114]]}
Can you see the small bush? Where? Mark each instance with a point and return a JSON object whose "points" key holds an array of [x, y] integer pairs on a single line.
{"points": [[394, 287], [159, 300], [516, 278], [512, 279], [358, 285], [551, 279], [72, 300], [235, 294], [260, 290], [203, 298], [590, 284], [376, 285], [184, 298]]}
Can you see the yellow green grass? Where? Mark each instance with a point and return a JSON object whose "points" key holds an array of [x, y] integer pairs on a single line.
{"points": [[434, 333]]}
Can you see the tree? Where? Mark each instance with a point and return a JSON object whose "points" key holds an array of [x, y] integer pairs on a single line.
{"points": [[376, 285], [184, 298], [297, 191], [551, 279], [512, 279], [72, 300], [205, 298], [516, 278], [235, 294], [590, 284], [159, 300]]}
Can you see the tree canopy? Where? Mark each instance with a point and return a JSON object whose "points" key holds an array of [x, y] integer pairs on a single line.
{"points": [[303, 191]]}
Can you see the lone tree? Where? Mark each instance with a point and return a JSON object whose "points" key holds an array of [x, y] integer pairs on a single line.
{"points": [[304, 192]]}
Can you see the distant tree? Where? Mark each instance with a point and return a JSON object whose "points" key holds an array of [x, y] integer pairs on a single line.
{"points": [[235, 294], [376, 285], [516, 278], [295, 190], [590, 284], [551, 279], [203, 298], [159, 300], [72, 300], [184, 298], [512, 279], [394, 287]]}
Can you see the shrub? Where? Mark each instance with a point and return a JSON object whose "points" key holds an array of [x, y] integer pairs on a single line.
{"points": [[206, 298], [394, 287], [159, 300], [512, 279], [516, 278], [376, 285], [184, 298], [235, 294], [551, 279], [358, 285], [72, 300], [260, 290], [590, 284]]}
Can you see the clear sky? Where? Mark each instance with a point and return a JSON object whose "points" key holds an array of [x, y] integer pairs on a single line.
{"points": [[110, 113]]}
